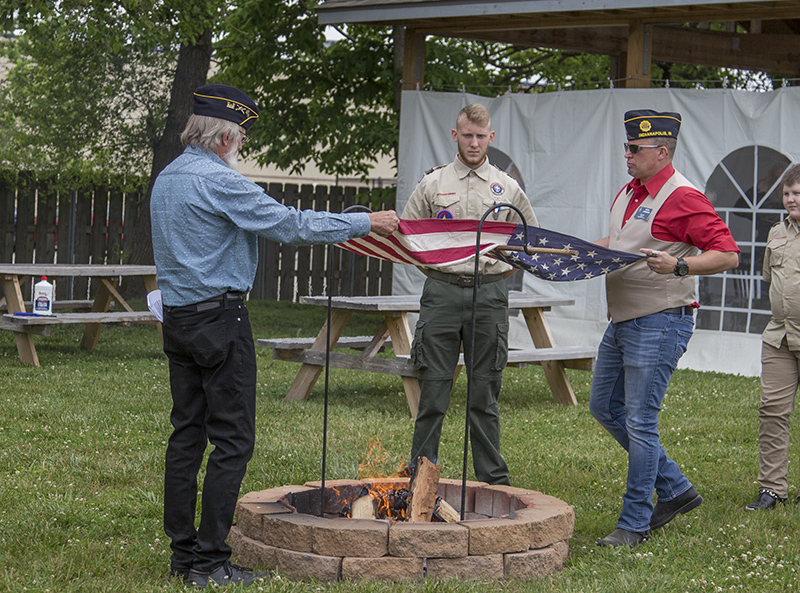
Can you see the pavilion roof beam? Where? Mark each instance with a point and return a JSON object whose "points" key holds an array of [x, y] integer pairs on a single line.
{"points": [[478, 15], [457, 26], [777, 54]]}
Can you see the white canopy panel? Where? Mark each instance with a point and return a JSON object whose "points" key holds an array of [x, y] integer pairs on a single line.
{"points": [[566, 148]]}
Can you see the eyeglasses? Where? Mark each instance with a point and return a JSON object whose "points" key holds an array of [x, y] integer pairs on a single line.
{"points": [[634, 148], [245, 138]]}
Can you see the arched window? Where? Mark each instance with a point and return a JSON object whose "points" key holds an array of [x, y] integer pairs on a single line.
{"points": [[745, 189]]}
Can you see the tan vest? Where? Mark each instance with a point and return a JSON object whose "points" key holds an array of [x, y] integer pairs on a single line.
{"points": [[635, 290]]}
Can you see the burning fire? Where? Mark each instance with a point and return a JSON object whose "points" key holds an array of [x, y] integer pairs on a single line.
{"points": [[380, 501], [376, 459], [387, 497]]}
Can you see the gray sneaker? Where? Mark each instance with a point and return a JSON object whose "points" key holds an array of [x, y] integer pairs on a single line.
{"points": [[227, 574]]}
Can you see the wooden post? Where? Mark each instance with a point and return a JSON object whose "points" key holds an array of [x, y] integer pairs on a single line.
{"points": [[413, 60], [640, 50]]}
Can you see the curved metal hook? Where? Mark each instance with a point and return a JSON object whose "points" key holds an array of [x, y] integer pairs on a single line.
{"points": [[469, 360], [521, 216], [352, 208]]}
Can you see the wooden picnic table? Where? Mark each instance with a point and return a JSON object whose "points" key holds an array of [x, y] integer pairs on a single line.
{"points": [[395, 330], [24, 328]]}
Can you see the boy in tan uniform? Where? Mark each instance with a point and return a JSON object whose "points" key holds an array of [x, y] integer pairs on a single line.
{"points": [[464, 189], [780, 350]]}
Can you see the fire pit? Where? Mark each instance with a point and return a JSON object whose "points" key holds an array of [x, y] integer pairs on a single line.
{"points": [[507, 533]]}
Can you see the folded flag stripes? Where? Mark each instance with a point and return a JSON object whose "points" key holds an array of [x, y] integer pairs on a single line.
{"points": [[439, 242]]}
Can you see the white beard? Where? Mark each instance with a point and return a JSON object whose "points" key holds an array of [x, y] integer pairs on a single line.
{"points": [[231, 158]]}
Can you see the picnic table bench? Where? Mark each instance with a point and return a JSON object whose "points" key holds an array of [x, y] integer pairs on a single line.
{"points": [[395, 331], [76, 305], [99, 311]]}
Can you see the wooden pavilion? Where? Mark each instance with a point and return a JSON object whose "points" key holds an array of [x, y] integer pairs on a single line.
{"points": [[758, 35]]}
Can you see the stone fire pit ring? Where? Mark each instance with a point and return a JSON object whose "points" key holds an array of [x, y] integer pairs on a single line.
{"points": [[507, 533]]}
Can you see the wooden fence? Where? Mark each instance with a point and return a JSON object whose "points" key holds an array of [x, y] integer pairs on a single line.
{"points": [[286, 273], [40, 223]]}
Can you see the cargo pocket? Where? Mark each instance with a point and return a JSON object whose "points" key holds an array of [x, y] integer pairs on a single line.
{"points": [[501, 356], [417, 347]]}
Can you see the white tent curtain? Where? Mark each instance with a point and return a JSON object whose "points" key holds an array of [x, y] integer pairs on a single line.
{"points": [[567, 149]]}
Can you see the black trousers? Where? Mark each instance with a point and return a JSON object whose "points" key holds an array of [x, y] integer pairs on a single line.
{"points": [[212, 370]]}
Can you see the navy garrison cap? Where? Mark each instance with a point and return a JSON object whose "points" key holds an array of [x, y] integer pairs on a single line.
{"points": [[225, 102], [646, 123]]}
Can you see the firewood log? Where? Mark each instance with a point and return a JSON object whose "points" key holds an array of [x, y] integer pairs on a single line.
{"points": [[423, 491], [444, 511], [363, 508]]}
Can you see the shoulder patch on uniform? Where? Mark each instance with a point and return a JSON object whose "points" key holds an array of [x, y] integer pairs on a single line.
{"points": [[429, 171]]}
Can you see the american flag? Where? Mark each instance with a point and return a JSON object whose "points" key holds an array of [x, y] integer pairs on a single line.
{"points": [[436, 242]]}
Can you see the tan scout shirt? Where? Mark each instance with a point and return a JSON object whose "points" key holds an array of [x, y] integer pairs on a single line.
{"points": [[782, 271], [468, 193]]}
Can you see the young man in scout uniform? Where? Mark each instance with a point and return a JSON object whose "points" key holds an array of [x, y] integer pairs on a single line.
{"points": [[466, 188]]}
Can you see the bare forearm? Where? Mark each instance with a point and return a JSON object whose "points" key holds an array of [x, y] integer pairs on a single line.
{"points": [[708, 262]]}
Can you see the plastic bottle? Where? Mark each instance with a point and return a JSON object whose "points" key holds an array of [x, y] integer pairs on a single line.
{"points": [[43, 297]]}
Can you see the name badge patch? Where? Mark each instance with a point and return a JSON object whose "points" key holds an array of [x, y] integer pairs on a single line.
{"points": [[643, 213]]}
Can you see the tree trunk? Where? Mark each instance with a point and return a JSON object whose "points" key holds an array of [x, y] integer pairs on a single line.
{"points": [[190, 73]]}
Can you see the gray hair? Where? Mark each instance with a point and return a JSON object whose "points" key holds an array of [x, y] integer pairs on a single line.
{"points": [[207, 132], [669, 143]]}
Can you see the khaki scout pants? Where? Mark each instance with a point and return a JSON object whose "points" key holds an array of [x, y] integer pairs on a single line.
{"points": [[445, 322], [780, 371]]}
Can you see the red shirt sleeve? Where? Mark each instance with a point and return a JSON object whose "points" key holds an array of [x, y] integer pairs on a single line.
{"points": [[688, 216]]}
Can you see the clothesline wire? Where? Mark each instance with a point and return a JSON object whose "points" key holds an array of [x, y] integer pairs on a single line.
{"points": [[609, 83]]}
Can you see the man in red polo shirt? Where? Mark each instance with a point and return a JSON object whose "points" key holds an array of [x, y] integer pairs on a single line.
{"points": [[651, 306]]}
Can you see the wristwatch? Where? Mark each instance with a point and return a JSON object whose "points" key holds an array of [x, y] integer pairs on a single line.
{"points": [[681, 268]]}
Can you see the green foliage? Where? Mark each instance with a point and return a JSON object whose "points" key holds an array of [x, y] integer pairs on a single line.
{"points": [[493, 69], [320, 102], [333, 103], [90, 81]]}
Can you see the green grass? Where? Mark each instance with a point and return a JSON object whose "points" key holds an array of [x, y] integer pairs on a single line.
{"points": [[82, 442]]}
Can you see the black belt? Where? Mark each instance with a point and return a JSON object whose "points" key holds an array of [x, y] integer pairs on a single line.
{"points": [[685, 310], [465, 281], [212, 303]]}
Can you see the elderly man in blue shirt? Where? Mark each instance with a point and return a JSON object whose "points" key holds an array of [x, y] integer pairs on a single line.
{"points": [[206, 219]]}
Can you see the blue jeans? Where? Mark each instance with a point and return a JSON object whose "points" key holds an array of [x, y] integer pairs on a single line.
{"points": [[635, 361]]}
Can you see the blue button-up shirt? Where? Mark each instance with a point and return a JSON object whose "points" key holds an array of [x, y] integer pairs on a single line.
{"points": [[206, 218]]}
